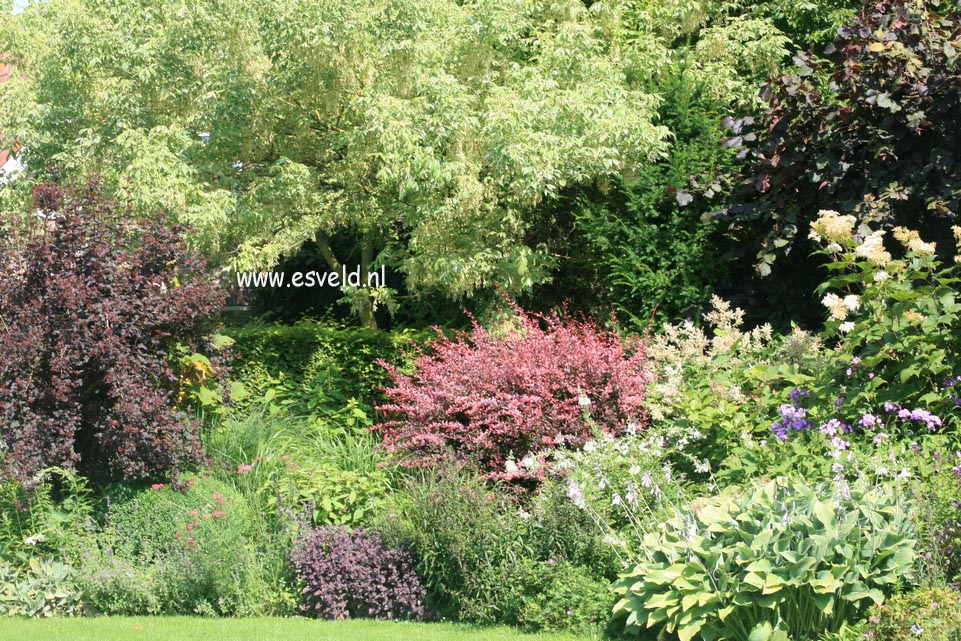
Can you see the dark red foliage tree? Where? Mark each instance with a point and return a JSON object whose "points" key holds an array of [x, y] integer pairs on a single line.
{"points": [[872, 129], [92, 305], [500, 403]]}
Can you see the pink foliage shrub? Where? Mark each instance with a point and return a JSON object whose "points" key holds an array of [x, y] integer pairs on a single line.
{"points": [[502, 402]]}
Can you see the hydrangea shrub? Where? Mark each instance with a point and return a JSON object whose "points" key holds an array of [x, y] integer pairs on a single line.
{"points": [[502, 402], [350, 575]]}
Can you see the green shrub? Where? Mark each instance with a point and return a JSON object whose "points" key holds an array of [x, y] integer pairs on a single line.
{"points": [[43, 587], [307, 367], [645, 244], [562, 597], [560, 531], [52, 518], [329, 464], [154, 520], [116, 586], [784, 556], [198, 550], [883, 369], [893, 314], [716, 386], [487, 556], [469, 542], [932, 614]]}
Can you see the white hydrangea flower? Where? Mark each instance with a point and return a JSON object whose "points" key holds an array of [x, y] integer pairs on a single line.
{"points": [[852, 302]]}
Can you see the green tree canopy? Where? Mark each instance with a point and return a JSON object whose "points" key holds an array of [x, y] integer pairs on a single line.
{"points": [[429, 132]]}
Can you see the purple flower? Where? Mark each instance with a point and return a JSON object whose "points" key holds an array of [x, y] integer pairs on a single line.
{"points": [[797, 394], [780, 431], [891, 407], [869, 421], [879, 437], [838, 401], [839, 443], [933, 422], [834, 427], [792, 418]]}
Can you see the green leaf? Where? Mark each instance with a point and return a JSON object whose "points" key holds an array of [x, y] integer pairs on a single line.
{"points": [[687, 632], [760, 632]]}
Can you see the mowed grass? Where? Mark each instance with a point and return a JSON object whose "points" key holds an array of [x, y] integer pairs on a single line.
{"points": [[197, 629]]}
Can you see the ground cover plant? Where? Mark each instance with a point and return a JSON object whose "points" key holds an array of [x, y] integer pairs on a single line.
{"points": [[353, 574]]}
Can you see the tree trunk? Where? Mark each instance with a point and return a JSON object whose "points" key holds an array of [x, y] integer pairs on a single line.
{"points": [[365, 303]]}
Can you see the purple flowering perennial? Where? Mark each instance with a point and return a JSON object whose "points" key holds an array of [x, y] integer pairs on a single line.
{"points": [[792, 418], [869, 421], [797, 394], [835, 427]]}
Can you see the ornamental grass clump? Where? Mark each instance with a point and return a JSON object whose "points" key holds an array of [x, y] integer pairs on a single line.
{"points": [[503, 402], [347, 575], [783, 556]]}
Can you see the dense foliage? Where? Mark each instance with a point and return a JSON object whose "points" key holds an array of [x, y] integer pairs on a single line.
{"points": [[870, 130], [934, 613], [353, 574], [468, 536], [200, 549], [309, 367], [784, 556], [760, 459], [500, 402], [92, 306], [426, 131], [329, 466]]}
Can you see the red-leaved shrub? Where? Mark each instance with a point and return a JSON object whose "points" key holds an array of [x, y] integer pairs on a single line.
{"points": [[501, 402], [92, 305]]}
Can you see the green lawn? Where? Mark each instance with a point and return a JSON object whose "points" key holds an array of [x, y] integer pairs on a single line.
{"points": [[196, 629]]}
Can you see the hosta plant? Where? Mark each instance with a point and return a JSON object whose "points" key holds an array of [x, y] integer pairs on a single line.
{"points": [[782, 558], [44, 587]]}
